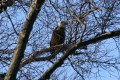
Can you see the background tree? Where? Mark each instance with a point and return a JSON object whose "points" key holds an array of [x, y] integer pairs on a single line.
{"points": [[91, 45]]}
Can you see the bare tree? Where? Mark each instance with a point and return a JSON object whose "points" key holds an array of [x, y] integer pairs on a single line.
{"points": [[91, 45]]}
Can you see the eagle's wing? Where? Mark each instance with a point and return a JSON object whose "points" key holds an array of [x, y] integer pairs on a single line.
{"points": [[57, 38]]}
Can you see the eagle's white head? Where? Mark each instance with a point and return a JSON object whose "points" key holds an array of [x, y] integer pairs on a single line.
{"points": [[62, 23]]}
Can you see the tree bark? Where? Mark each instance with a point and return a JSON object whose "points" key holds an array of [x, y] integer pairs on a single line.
{"points": [[23, 39]]}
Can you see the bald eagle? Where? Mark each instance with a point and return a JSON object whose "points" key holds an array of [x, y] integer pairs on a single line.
{"points": [[58, 35]]}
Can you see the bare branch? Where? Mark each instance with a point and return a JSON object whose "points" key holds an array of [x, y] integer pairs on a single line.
{"points": [[60, 61]]}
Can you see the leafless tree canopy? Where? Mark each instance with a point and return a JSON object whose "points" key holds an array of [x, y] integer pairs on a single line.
{"points": [[91, 45]]}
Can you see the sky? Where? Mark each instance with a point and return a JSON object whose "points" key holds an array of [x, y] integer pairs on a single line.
{"points": [[109, 45]]}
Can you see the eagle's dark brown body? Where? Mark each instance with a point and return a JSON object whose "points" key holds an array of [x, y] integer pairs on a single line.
{"points": [[58, 35]]}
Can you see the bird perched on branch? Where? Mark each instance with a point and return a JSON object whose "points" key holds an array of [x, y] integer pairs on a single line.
{"points": [[58, 35]]}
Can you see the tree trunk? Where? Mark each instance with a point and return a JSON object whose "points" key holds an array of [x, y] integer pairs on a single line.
{"points": [[23, 39]]}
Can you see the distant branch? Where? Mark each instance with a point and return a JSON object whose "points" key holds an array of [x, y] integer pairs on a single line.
{"points": [[12, 23]]}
